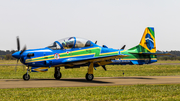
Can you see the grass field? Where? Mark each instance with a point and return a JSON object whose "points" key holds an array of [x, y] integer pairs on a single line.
{"points": [[101, 93], [8, 72], [169, 92], [8, 62]]}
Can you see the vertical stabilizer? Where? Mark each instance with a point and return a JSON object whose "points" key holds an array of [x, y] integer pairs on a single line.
{"points": [[147, 43], [148, 40]]}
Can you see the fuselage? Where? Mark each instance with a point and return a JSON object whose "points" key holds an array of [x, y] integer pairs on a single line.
{"points": [[47, 57]]}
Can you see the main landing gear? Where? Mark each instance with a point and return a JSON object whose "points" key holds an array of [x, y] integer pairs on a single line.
{"points": [[89, 76], [57, 73], [26, 76]]}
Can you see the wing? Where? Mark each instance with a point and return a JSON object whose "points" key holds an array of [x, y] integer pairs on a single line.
{"points": [[76, 61], [148, 53]]}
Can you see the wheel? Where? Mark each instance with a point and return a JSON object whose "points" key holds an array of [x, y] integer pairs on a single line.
{"points": [[57, 75], [26, 77], [89, 77]]}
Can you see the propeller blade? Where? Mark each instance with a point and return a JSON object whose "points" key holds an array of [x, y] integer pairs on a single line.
{"points": [[123, 47], [104, 67], [15, 69], [18, 44], [24, 68], [23, 50]]}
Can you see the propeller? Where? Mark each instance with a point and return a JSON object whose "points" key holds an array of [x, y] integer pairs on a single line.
{"points": [[18, 44], [18, 49], [23, 50], [16, 66]]}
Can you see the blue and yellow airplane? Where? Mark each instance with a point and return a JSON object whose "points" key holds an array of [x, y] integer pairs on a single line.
{"points": [[74, 52]]}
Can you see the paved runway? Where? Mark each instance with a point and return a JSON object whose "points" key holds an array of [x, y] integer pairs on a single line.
{"points": [[80, 82]]}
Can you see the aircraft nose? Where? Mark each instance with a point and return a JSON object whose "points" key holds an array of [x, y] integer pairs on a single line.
{"points": [[17, 55]]}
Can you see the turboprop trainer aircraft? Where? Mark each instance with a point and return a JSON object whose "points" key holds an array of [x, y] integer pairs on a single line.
{"points": [[70, 52], [73, 52]]}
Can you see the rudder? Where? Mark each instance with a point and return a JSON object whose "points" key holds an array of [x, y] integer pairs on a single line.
{"points": [[148, 40]]}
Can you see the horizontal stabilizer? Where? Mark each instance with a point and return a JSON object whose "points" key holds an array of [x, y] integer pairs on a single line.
{"points": [[148, 53]]}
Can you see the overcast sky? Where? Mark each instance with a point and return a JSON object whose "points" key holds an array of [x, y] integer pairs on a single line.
{"points": [[114, 23]]}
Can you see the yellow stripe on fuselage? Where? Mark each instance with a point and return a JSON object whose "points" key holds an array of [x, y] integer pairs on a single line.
{"points": [[70, 56]]}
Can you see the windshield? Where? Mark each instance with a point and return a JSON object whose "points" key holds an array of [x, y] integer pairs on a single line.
{"points": [[70, 42]]}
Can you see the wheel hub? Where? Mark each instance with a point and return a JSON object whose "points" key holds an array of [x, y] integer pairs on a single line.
{"points": [[89, 76]]}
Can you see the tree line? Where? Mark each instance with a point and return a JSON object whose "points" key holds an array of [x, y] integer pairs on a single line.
{"points": [[7, 55], [175, 55]]}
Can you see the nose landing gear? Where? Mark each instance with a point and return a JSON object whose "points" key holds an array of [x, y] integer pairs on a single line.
{"points": [[26, 76]]}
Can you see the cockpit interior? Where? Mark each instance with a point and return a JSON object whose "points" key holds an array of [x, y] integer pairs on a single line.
{"points": [[70, 42]]}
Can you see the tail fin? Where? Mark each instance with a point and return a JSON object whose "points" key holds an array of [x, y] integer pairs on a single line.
{"points": [[145, 52], [148, 40], [147, 43]]}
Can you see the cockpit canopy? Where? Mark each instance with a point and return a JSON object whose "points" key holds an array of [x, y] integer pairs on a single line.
{"points": [[71, 42]]}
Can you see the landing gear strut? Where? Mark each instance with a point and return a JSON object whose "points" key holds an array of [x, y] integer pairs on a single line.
{"points": [[89, 75], [26, 76], [57, 73]]}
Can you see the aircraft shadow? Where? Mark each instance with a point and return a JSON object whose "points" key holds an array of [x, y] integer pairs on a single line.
{"points": [[76, 80], [83, 80], [131, 78]]}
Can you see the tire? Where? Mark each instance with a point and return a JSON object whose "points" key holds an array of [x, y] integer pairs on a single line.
{"points": [[57, 75], [26, 77], [89, 77]]}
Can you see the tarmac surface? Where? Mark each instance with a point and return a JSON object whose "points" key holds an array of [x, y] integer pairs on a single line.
{"points": [[81, 82]]}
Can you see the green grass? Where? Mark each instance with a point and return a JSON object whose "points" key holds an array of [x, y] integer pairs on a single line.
{"points": [[100, 93], [8, 72], [168, 92], [168, 61], [9, 62]]}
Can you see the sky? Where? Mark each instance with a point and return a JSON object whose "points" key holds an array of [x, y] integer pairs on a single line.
{"points": [[113, 23]]}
